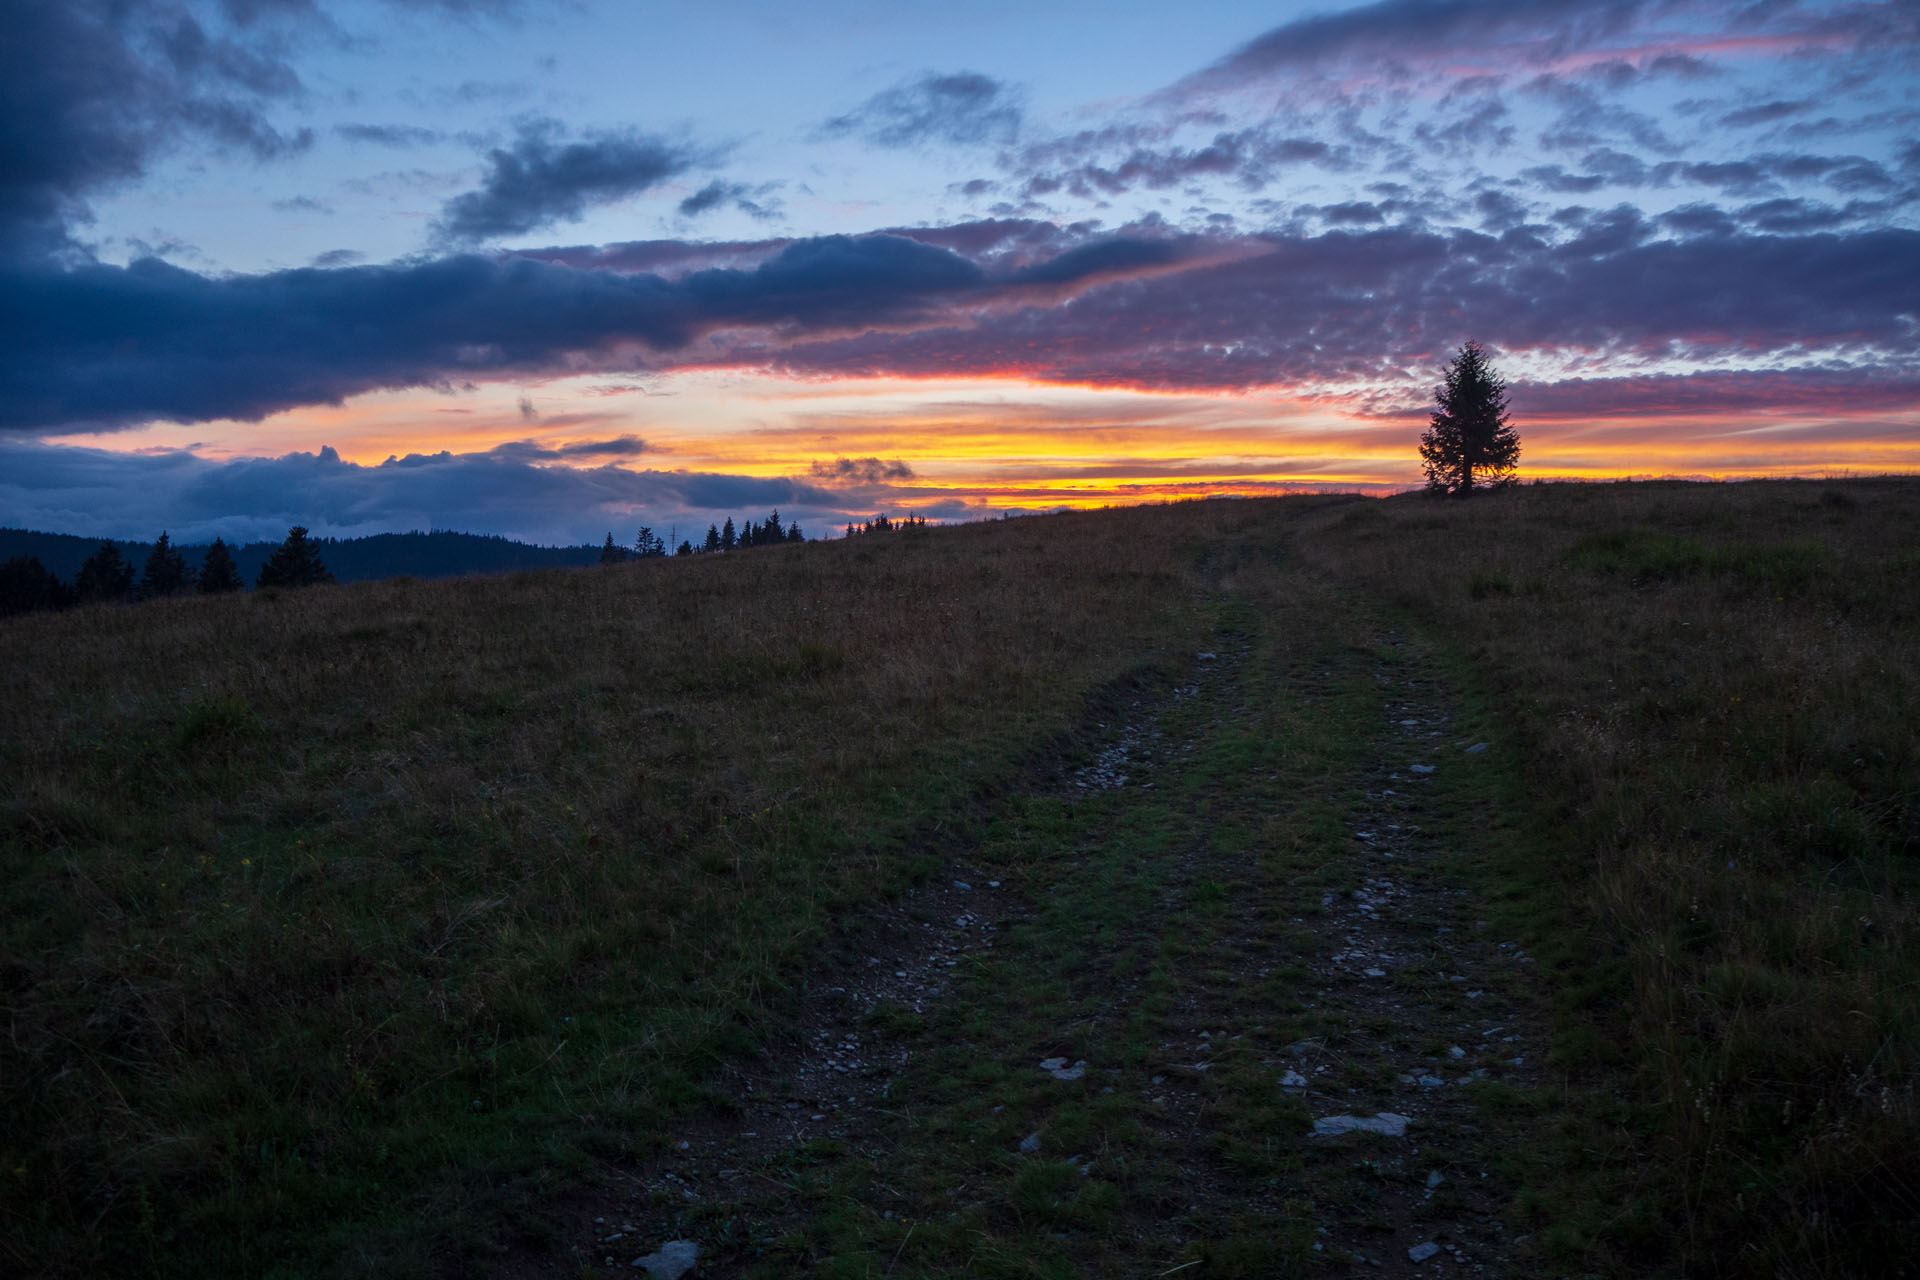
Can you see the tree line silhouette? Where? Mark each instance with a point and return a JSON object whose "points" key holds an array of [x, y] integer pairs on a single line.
{"points": [[27, 585], [108, 575], [722, 537]]}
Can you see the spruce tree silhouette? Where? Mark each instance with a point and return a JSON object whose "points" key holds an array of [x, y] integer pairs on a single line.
{"points": [[294, 563], [218, 573], [166, 571], [105, 576], [27, 585], [1470, 443], [728, 538], [612, 553]]}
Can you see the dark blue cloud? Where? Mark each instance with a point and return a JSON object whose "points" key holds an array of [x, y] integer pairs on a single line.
{"points": [[104, 345], [90, 90], [860, 471], [1080, 165], [963, 108], [1343, 305], [752, 201], [527, 495], [541, 179], [1767, 112], [1400, 28], [399, 136]]}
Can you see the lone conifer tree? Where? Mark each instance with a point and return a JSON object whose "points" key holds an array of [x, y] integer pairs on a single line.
{"points": [[612, 553], [294, 563], [1469, 442], [166, 571], [105, 576], [218, 573]]}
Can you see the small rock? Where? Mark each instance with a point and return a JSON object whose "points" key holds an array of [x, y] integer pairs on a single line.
{"points": [[1375, 973], [1208, 656], [1476, 748], [1052, 1064], [1293, 1080], [1031, 1143], [1393, 1126], [675, 1259], [963, 886], [1434, 1179], [1420, 768], [1431, 1082], [1059, 1070], [1421, 1252], [1455, 1051]]}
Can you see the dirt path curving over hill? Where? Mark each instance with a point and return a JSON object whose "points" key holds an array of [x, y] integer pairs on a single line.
{"points": [[1218, 995]]}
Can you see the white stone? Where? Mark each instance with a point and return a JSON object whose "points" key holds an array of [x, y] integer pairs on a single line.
{"points": [[1421, 1252], [1421, 768], [675, 1259], [1293, 1080], [1393, 1126]]}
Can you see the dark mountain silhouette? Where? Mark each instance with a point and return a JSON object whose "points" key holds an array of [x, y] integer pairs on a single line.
{"points": [[384, 555]]}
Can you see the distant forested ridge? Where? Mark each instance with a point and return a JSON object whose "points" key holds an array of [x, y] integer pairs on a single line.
{"points": [[383, 555]]}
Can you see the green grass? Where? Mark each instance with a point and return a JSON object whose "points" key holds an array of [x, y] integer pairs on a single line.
{"points": [[1710, 695], [344, 931]]}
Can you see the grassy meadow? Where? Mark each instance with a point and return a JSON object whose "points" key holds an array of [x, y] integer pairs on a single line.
{"points": [[339, 928], [1713, 693]]}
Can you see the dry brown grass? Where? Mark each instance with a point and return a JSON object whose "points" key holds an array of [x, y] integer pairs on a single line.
{"points": [[319, 905], [1715, 689]]}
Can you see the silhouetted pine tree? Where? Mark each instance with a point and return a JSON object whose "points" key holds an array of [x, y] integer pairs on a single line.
{"points": [[1469, 442], [713, 539], [294, 563], [728, 538], [218, 573], [684, 549], [105, 576], [166, 571], [794, 534], [27, 585], [612, 553]]}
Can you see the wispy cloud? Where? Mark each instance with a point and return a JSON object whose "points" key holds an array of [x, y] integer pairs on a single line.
{"points": [[961, 108], [541, 179]]}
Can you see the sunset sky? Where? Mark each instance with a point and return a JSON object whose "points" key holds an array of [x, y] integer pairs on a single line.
{"points": [[554, 269]]}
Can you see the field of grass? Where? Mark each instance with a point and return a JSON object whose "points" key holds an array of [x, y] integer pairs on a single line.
{"points": [[1714, 690], [355, 906], [342, 929]]}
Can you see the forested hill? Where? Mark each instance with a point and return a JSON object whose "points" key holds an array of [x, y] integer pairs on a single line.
{"points": [[383, 555]]}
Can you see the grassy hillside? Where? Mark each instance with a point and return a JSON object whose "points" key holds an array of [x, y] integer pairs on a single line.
{"points": [[340, 927], [1714, 689], [319, 903]]}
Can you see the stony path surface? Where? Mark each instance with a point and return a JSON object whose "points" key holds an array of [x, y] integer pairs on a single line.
{"points": [[1184, 1017]]}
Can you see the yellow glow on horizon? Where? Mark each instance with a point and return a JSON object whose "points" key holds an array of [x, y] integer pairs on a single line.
{"points": [[997, 443]]}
